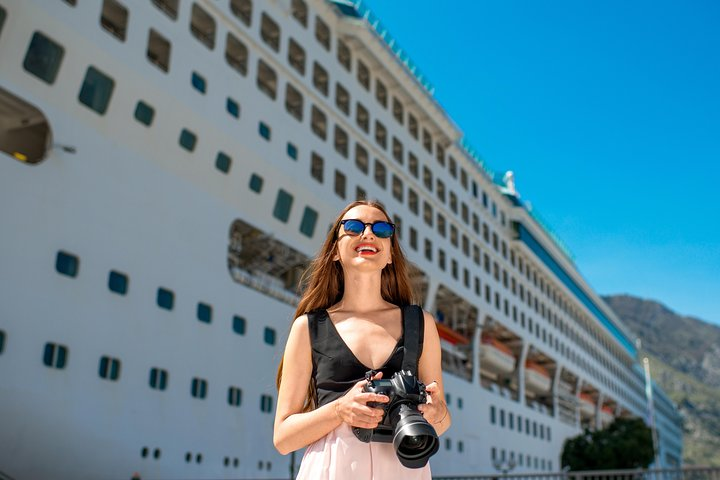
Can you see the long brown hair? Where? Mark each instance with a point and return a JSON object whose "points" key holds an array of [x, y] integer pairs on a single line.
{"points": [[323, 286]]}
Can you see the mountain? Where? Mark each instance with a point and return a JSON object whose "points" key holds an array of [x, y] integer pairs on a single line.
{"points": [[685, 361]]}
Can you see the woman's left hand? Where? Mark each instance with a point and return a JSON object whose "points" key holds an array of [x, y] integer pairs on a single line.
{"points": [[435, 410]]}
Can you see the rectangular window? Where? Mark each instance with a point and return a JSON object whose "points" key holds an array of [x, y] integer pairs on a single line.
{"points": [[270, 32], [299, 11], [463, 178], [343, 55], [362, 117], [198, 82], [361, 159], [283, 205], [204, 312], [363, 75], [232, 107], [318, 122], [413, 165], [96, 91], [269, 336], [427, 141], [413, 201], [453, 202], [202, 26], [234, 397], [266, 79], [118, 282], [158, 378], [55, 355], [440, 190], [242, 9], [223, 162], [43, 58], [187, 140], [256, 183], [398, 110], [441, 227], [360, 193], [109, 368], [296, 56], [340, 184], [236, 54], [264, 131], [321, 79], [381, 93], [292, 151], [294, 102], [452, 166], [266, 403], [168, 7], [397, 150], [427, 178], [322, 33], [114, 19], [341, 141], [428, 213], [308, 222], [413, 238], [165, 298], [380, 134], [198, 388], [316, 167], [67, 264], [342, 99], [397, 188], [380, 173], [428, 249], [441, 259], [440, 154], [413, 126], [144, 113]]}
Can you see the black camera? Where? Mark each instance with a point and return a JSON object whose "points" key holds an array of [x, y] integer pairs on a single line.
{"points": [[414, 439]]}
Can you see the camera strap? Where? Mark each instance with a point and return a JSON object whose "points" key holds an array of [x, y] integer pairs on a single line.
{"points": [[414, 332]]}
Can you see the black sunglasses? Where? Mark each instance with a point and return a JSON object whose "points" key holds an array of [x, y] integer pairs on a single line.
{"points": [[355, 227]]}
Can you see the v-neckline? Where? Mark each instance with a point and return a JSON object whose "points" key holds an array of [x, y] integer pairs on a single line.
{"points": [[347, 347]]}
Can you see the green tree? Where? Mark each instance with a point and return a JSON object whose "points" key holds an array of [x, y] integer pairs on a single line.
{"points": [[625, 443]]}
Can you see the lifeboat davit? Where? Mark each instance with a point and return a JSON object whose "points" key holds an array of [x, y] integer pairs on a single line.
{"points": [[495, 356], [451, 336], [587, 405], [537, 377]]}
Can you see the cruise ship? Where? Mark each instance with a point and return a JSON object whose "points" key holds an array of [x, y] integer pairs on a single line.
{"points": [[168, 168]]}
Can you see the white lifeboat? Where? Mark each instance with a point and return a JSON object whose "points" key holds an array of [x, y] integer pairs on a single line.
{"points": [[587, 405], [537, 377], [495, 356]]}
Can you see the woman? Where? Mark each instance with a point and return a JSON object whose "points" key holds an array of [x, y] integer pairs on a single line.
{"points": [[355, 287]]}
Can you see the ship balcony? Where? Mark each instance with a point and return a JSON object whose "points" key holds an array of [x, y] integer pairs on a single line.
{"points": [[587, 405], [606, 416], [456, 323]]}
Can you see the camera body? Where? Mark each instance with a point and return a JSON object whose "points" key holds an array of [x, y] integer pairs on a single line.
{"points": [[414, 439]]}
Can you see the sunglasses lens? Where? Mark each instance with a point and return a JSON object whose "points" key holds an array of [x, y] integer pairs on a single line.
{"points": [[383, 229], [354, 227]]}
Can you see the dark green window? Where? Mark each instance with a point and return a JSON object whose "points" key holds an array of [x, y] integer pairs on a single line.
{"points": [[239, 325], [188, 140], [67, 264], [492, 414], [264, 131], [43, 57], [234, 396], [198, 82], [118, 282], [256, 183], [232, 107], [269, 336], [204, 312], [283, 204], [3, 336], [292, 151], [97, 88], [266, 403], [55, 356], [309, 219], [165, 298], [198, 388], [144, 113], [223, 162], [109, 368], [158, 378]]}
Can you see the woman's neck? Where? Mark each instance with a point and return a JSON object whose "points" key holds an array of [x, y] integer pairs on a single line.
{"points": [[362, 293]]}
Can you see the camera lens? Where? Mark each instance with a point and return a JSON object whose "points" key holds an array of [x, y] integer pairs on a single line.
{"points": [[415, 440], [413, 444]]}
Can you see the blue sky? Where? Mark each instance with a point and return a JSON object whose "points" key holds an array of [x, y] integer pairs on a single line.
{"points": [[609, 115]]}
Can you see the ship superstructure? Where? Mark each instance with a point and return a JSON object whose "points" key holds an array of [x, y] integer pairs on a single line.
{"points": [[168, 168]]}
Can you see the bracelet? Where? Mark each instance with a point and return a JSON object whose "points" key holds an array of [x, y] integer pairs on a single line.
{"points": [[443, 418]]}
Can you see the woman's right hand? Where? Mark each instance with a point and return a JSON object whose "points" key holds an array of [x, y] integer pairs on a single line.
{"points": [[352, 407]]}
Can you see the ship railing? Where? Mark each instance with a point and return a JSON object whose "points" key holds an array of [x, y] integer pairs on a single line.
{"points": [[679, 473]]}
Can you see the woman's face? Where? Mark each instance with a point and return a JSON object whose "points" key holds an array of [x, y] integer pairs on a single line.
{"points": [[366, 251]]}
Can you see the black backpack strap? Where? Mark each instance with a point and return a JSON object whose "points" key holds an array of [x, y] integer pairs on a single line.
{"points": [[414, 333]]}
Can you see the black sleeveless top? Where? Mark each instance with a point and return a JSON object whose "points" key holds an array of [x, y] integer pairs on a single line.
{"points": [[336, 368]]}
